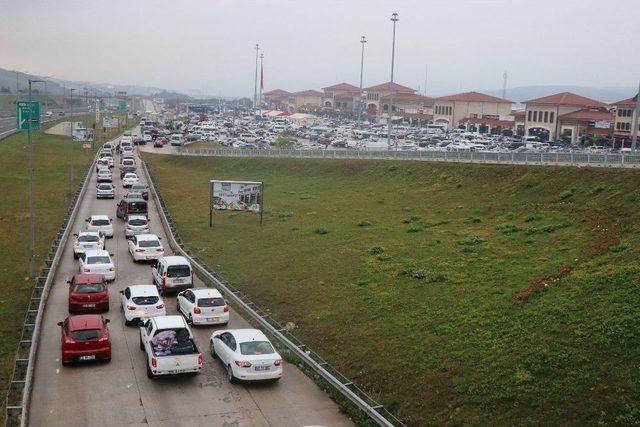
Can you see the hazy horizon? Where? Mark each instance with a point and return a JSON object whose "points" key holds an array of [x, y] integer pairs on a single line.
{"points": [[209, 46]]}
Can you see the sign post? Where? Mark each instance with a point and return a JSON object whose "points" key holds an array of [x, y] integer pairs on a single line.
{"points": [[28, 115]]}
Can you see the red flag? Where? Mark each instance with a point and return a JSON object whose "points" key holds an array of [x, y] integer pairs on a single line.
{"points": [[261, 77]]}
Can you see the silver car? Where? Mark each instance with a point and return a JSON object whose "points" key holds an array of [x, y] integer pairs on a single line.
{"points": [[105, 190], [136, 224]]}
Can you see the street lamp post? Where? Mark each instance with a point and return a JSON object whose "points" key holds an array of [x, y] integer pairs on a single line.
{"points": [[635, 122], [394, 19], [255, 86], [363, 40], [71, 147], [32, 232], [261, 82]]}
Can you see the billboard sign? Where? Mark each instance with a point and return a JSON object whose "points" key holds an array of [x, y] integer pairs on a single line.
{"points": [[243, 196]]}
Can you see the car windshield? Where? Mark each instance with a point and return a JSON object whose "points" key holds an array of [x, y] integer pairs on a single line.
{"points": [[145, 300], [88, 288], [105, 187], [98, 260], [148, 243], [138, 187], [100, 222], [178, 271], [88, 238], [131, 176], [86, 334], [253, 348], [138, 221], [211, 302]]}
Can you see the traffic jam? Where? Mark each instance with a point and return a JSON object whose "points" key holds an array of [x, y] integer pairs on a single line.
{"points": [[167, 342]]}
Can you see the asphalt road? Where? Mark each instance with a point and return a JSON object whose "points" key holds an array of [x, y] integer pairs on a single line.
{"points": [[8, 125], [119, 392]]}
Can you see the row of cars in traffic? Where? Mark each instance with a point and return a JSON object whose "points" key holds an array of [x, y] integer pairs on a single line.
{"points": [[167, 341]]}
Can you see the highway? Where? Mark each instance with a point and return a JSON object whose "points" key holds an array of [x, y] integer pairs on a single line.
{"points": [[119, 392], [8, 124]]}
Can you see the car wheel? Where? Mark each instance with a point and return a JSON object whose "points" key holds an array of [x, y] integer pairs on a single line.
{"points": [[230, 376], [149, 373], [75, 255], [190, 319], [107, 360], [213, 351], [141, 344], [178, 307]]}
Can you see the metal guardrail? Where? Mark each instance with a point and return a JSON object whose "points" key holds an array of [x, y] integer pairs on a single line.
{"points": [[23, 368], [614, 160], [324, 369]]}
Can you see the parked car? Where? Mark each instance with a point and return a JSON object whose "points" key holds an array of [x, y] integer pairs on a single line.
{"points": [[136, 224], [141, 302], [247, 355], [172, 273], [104, 175], [84, 338], [101, 224], [129, 179], [97, 261], [160, 142], [203, 306], [145, 247], [142, 189], [88, 293], [87, 240], [105, 190], [126, 169], [101, 163], [131, 206], [169, 347]]}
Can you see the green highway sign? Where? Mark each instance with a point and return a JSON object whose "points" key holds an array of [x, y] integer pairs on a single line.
{"points": [[28, 115], [122, 105]]}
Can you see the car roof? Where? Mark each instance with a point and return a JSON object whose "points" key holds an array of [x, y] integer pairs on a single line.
{"points": [[84, 278], [206, 293], [168, 322], [99, 217], [130, 217], [89, 233], [143, 290], [96, 252], [129, 174], [175, 260], [244, 335], [148, 236], [85, 321]]}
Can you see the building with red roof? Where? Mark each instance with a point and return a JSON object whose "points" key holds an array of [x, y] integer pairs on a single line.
{"points": [[342, 97], [550, 117], [484, 112], [624, 118], [405, 100]]}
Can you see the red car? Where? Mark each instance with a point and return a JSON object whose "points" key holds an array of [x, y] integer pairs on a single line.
{"points": [[160, 142], [85, 337], [88, 293]]}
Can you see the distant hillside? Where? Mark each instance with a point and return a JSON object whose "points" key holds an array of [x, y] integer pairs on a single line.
{"points": [[606, 94]]}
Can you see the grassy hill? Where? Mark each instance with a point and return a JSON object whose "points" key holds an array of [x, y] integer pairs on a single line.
{"points": [[457, 294]]}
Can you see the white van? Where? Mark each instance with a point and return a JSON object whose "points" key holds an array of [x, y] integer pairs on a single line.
{"points": [[176, 139], [172, 273]]}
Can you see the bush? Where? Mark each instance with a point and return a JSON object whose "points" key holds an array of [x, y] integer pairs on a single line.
{"points": [[507, 228], [547, 228], [362, 282], [383, 257], [430, 224], [284, 142], [284, 215], [376, 250], [532, 218], [473, 220], [414, 229], [320, 230], [393, 168], [364, 223], [471, 240], [566, 194]]}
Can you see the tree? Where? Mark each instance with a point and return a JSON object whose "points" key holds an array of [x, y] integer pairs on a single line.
{"points": [[284, 142]]}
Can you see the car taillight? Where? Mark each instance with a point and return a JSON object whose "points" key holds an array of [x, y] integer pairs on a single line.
{"points": [[87, 270], [278, 362], [139, 250], [226, 308], [160, 306], [196, 310], [112, 269], [154, 363], [164, 281], [128, 227], [160, 249], [200, 359], [130, 307], [242, 364]]}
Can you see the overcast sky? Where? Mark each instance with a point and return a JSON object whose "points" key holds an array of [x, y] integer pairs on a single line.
{"points": [[208, 44]]}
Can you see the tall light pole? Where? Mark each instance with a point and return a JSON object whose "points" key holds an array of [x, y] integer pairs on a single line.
{"points": [[261, 82], [394, 19], [32, 222], [71, 147], [635, 121], [363, 40], [255, 86]]}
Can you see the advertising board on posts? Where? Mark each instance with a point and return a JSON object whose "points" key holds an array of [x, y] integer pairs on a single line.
{"points": [[243, 196]]}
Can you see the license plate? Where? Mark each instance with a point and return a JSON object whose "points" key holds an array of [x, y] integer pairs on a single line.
{"points": [[178, 280], [212, 319], [87, 358], [262, 368], [88, 305]]}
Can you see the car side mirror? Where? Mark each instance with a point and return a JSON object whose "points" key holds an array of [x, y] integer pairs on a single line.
{"points": [[110, 254], [141, 323], [75, 234], [69, 281], [59, 323], [122, 292], [107, 320], [87, 219]]}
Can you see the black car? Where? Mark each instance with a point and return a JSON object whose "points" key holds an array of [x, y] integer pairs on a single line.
{"points": [[127, 169], [131, 205], [141, 189]]}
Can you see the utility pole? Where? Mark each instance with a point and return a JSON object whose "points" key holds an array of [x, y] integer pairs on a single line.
{"points": [[255, 86], [17, 89], [504, 85], [394, 19], [71, 147], [46, 104], [635, 122], [32, 232], [363, 40], [261, 81]]}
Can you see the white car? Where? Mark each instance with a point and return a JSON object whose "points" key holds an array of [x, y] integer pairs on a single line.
{"points": [[101, 163], [145, 247], [101, 224], [104, 175], [147, 138], [105, 190], [87, 240], [141, 302], [97, 261], [203, 306], [127, 149], [136, 224], [129, 179], [109, 160], [247, 355]]}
